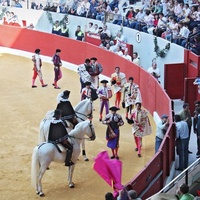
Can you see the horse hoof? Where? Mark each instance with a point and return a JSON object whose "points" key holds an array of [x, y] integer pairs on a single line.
{"points": [[72, 185], [48, 168], [41, 194], [37, 192], [86, 159]]}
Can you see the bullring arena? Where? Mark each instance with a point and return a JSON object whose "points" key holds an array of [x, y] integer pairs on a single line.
{"points": [[22, 109]]}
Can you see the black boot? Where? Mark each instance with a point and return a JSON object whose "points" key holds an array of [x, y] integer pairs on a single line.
{"points": [[68, 161]]}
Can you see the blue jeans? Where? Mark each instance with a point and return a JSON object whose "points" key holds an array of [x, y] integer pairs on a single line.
{"points": [[158, 142]]}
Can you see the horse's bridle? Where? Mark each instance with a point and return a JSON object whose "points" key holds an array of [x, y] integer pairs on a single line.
{"points": [[89, 116], [92, 137]]}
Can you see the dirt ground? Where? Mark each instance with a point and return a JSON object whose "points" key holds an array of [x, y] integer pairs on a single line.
{"points": [[22, 109]]}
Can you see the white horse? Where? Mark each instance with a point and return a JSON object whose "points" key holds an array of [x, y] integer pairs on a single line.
{"points": [[83, 111], [46, 153]]}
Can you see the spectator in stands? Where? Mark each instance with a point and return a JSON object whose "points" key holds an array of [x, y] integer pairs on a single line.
{"points": [[195, 16], [79, 34], [120, 39], [138, 18], [95, 29], [117, 16], [136, 59], [161, 129], [183, 33], [165, 8], [154, 70], [119, 51], [186, 116], [83, 8], [195, 48], [17, 4], [31, 26], [129, 18], [64, 30], [112, 46], [92, 10], [114, 4], [126, 55], [56, 28], [157, 7], [183, 193], [73, 8], [148, 22], [187, 43], [90, 27], [172, 29], [103, 10], [13, 18], [182, 140], [104, 33], [63, 8], [105, 42], [177, 9], [161, 26]]}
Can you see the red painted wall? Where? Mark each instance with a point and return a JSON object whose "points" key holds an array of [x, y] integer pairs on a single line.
{"points": [[76, 52]]}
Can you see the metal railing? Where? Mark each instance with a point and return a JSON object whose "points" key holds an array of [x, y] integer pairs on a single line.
{"points": [[188, 176]]}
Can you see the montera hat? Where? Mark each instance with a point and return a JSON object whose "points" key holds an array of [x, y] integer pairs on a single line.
{"points": [[164, 116], [58, 50], [65, 94], [93, 58], [132, 194], [87, 83], [104, 81], [37, 51], [57, 113], [113, 108]]}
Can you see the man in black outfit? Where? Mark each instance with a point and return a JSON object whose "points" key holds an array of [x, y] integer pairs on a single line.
{"points": [[59, 134]]}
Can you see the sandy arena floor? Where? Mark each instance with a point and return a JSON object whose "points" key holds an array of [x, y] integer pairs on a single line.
{"points": [[22, 109]]}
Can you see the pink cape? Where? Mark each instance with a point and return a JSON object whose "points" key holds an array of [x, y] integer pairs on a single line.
{"points": [[109, 170]]}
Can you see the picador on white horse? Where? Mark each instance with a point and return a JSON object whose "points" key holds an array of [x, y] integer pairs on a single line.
{"points": [[58, 135], [65, 106]]}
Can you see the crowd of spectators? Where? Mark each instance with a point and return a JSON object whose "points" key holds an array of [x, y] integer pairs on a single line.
{"points": [[173, 20]]}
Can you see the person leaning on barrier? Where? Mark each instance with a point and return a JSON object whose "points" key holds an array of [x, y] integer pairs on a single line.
{"points": [[183, 192]]}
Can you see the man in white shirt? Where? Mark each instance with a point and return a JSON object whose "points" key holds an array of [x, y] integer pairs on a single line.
{"points": [[154, 71], [161, 129], [126, 55], [136, 59], [183, 33], [182, 142]]}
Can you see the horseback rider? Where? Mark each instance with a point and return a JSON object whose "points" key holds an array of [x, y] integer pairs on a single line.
{"points": [[65, 106], [59, 135]]}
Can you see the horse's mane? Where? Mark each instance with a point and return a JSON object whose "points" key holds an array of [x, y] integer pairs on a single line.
{"points": [[81, 103], [77, 127], [49, 114]]}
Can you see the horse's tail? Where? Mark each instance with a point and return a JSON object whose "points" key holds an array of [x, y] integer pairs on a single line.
{"points": [[34, 167]]}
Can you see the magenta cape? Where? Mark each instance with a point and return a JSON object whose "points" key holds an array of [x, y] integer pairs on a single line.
{"points": [[109, 170]]}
